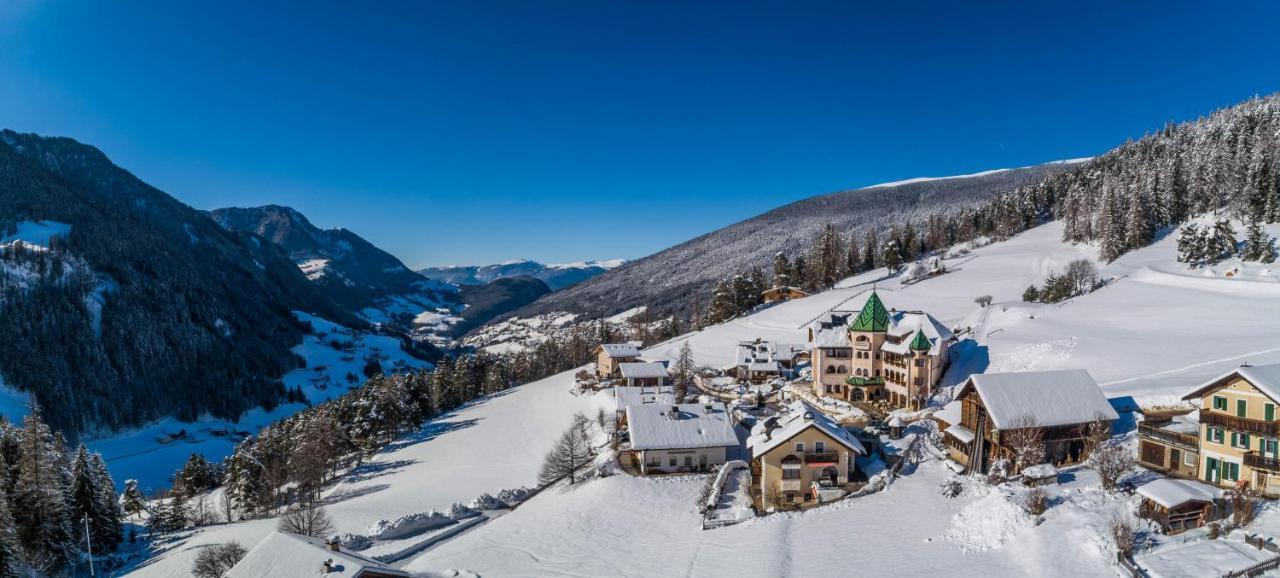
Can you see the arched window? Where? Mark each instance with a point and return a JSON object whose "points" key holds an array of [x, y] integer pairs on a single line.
{"points": [[831, 369], [842, 369]]}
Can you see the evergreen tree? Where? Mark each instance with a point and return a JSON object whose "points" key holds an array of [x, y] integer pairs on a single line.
{"points": [[132, 500], [853, 257], [800, 272], [1222, 243], [112, 530], [40, 506], [1111, 236], [11, 563], [1190, 245], [1139, 230], [683, 370], [87, 504], [891, 255], [870, 250], [1258, 245], [781, 270]]}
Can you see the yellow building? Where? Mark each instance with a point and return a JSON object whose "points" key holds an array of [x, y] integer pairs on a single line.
{"points": [[610, 355], [1239, 428], [801, 456], [878, 354]]}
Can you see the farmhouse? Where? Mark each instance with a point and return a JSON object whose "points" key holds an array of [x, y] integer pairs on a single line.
{"points": [[1171, 444], [879, 355], [782, 293], [285, 555], [758, 361], [801, 456], [609, 355], [680, 438], [643, 374], [1061, 404], [1239, 428]]}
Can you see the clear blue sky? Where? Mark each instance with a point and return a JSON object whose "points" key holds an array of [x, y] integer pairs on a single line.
{"points": [[469, 132]]}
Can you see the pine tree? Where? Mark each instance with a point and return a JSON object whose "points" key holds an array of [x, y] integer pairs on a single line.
{"points": [[112, 530], [853, 257], [1222, 243], [1111, 238], [1139, 231], [683, 370], [891, 256], [40, 507], [871, 249], [10, 552], [781, 270], [132, 500], [1258, 245], [1190, 245], [87, 504]]}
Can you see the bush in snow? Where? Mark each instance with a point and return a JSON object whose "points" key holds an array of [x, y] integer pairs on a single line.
{"points": [[1124, 534], [487, 502], [1112, 461], [983, 300], [1244, 505], [354, 541], [513, 496], [215, 560], [951, 488], [407, 525], [999, 472], [1036, 501], [460, 512]]}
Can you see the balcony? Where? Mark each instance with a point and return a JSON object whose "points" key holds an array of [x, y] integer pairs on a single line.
{"points": [[856, 380], [1260, 462], [790, 485], [824, 458], [1155, 433], [1240, 424]]}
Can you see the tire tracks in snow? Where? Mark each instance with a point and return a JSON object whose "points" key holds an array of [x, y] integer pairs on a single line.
{"points": [[1192, 366]]}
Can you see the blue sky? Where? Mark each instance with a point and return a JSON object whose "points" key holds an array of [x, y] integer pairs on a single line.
{"points": [[471, 132]]}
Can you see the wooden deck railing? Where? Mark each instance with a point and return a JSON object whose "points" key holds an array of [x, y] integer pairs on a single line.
{"points": [[1243, 424], [1154, 432], [1259, 461]]}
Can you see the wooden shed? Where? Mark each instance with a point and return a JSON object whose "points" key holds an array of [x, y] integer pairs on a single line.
{"points": [[1179, 505]]}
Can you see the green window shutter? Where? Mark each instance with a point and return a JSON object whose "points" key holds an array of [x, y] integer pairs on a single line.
{"points": [[1208, 433], [1269, 411], [1241, 406], [1235, 471], [1244, 440]]}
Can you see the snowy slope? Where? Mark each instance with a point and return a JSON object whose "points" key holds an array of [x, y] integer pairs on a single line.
{"points": [[1157, 330], [151, 454]]}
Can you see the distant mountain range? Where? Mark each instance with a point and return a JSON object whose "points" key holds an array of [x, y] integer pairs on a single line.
{"points": [[556, 276], [352, 271]]}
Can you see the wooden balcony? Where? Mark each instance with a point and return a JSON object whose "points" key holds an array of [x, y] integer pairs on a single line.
{"points": [[1155, 433], [1240, 424], [819, 458], [1258, 461]]}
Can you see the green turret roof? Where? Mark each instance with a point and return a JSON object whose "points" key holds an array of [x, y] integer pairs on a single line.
{"points": [[873, 317], [920, 342]]}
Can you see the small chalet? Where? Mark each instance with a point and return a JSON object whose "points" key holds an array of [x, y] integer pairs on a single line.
{"points": [[782, 293], [801, 456], [610, 355], [688, 437], [285, 555], [1171, 444], [757, 362], [1179, 505], [1062, 403], [643, 374], [1239, 428]]}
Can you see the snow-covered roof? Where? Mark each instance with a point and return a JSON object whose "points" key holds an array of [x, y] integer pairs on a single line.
{"points": [[620, 350], [1039, 471], [1264, 377], [765, 367], [1050, 398], [1185, 424], [949, 413], [964, 434], [832, 330], [628, 396], [788, 351], [799, 417], [642, 370], [688, 425], [285, 555], [1172, 493]]}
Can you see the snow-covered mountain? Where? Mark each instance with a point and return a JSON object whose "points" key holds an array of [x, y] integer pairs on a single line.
{"points": [[352, 271], [556, 276]]}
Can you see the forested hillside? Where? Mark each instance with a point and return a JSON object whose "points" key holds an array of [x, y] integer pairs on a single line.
{"points": [[141, 307]]}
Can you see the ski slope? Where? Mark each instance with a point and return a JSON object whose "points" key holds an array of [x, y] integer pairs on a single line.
{"points": [[1154, 332]]}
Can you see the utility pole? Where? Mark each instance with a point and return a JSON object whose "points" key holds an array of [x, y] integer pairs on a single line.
{"points": [[88, 544]]}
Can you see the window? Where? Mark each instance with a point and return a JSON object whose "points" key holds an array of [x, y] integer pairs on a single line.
{"points": [[831, 369], [819, 447], [791, 496], [688, 461], [1219, 403], [841, 369], [1213, 434], [1188, 459], [672, 461], [799, 447], [790, 473], [1241, 407], [1240, 440], [1230, 471]]}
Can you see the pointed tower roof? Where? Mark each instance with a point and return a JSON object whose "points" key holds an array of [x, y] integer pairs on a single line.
{"points": [[873, 317], [920, 342]]}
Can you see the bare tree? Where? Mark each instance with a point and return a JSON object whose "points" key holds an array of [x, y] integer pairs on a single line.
{"points": [[571, 453], [1025, 439], [983, 300], [214, 561], [1112, 461], [1096, 433], [201, 512], [1244, 504], [1036, 501], [1082, 275], [306, 519], [773, 495], [1124, 533]]}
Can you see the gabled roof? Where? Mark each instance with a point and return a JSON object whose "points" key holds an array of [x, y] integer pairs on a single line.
{"points": [[625, 397], [1172, 493], [1266, 378], [1050, 398], [920, 342], [642, 370], [690, 425], [620, 350], [873, 317], [799, 417], [285, 555], [949, 413]]}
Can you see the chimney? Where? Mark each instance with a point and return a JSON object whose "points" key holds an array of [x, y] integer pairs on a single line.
{"points": [[328, 565], [334, 544]]}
